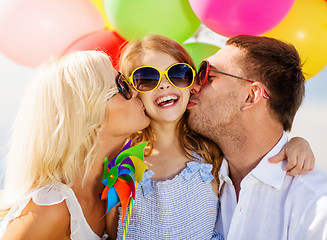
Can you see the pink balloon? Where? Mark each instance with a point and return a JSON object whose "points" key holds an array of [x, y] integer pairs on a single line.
{"points": [[33, 30], [234, 17]]}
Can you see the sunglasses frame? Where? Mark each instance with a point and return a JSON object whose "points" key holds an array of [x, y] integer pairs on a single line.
{"points": [[208, 69], [164, 72], [120, 79]]}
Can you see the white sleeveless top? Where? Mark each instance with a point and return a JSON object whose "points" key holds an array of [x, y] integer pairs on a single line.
{"points": [[52, 194]]}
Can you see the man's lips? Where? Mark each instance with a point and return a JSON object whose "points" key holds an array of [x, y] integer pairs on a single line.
{"points": [[191, 104]]}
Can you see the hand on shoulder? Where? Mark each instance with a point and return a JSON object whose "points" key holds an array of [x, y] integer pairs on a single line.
{"points": [[40, 222]]}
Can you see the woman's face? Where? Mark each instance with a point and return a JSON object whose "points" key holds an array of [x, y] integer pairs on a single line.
{"points": [[125, 117], [166, 103]]}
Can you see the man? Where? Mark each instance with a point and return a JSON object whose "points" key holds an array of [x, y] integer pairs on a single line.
{"points": [[251, 91]]}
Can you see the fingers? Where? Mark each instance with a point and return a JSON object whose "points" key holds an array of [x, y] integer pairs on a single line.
{"points": [[303, 165], [279, 157], [299, 156], [295, 168], [308, 166]]}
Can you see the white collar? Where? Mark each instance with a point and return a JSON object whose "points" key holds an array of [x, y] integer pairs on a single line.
{"points": [[269, 173]]}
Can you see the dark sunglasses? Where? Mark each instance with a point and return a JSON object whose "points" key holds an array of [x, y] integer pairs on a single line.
{"points": [[205, 69], [147, 78], [123, 87]]}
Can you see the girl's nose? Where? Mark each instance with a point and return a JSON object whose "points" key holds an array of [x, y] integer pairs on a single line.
{"points": [[164, 83]]}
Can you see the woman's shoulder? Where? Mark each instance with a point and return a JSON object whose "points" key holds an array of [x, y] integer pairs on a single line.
{"points": [[46, 221], [40, 222], [53, 212], [51, 194]]}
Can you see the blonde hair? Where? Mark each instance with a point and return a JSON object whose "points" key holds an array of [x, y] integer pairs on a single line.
{"points": [[55, 133], [189, 140]]}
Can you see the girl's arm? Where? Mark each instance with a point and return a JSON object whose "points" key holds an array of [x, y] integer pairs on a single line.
{"points": [[40, 222], [299, 156]]}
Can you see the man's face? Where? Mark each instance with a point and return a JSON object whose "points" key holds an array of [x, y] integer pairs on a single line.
{"points": [[215, 110]]}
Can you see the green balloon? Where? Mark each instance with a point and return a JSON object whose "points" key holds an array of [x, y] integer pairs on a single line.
{"points": [[135, 19], [200, 51]]}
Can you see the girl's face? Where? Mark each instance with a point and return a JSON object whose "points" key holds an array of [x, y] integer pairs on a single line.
{"points": [[166, 103], [125, 117]]}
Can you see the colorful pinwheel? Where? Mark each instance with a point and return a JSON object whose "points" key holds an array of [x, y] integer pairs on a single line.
{"points": [[121, 177]]}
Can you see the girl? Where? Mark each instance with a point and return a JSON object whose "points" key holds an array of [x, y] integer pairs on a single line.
{"points": [[178, 196], [69, 120]]}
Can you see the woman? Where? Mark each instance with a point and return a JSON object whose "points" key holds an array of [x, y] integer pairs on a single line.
{"points": [[178, 197], [70, 119]]}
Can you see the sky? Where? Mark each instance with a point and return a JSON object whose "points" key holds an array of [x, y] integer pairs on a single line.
{"points": [[310, 121]]}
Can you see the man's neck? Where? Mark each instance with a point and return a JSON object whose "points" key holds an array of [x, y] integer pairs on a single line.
{"points": [[244, 156]]}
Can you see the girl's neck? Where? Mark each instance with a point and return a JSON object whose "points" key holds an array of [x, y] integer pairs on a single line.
{"points": [[166, 136], [167, 158]]}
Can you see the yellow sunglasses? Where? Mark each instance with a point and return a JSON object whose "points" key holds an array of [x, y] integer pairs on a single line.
{"points": [[148, 78]]}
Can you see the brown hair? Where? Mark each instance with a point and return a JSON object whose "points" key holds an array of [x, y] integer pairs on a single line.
{"points": [[189, 140], [278, 66]]}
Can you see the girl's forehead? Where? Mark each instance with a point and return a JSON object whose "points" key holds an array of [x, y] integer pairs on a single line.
{"points": [[157, 59]]}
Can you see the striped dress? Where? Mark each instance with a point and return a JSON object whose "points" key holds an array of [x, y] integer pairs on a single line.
{"points": [[182, 208]]}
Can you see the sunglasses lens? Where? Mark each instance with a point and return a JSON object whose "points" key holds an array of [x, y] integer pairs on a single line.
{"points": [[146, 79], [202, 73], [181, 75], [123, 87]]}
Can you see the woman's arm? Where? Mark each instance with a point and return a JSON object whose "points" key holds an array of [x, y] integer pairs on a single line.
{"points": [[299, 156], [112, 219], [40, 222]]}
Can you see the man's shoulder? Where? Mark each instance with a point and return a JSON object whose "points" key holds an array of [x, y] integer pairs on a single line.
{"points": [[310, 185]]}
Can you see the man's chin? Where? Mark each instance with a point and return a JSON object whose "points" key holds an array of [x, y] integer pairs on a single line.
{"points": [[192, 122]]}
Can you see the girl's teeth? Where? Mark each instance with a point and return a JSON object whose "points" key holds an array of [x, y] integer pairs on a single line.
{"points": [[168, 104], [166, 98]]}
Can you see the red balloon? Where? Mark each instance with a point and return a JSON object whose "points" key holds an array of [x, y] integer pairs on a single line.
{"points": [[107, 41]]}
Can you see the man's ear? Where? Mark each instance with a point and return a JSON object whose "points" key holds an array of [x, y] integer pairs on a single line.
{"points": [[255, 94]]}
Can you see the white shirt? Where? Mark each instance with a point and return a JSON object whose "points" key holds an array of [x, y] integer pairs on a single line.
{"points": [[272, 205]]}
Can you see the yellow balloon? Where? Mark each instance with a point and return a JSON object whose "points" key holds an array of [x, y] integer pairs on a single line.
{"points": [[99, 5], [306, 28]]}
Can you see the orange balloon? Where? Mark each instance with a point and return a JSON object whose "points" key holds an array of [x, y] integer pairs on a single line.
{"points": [[306, 28]]}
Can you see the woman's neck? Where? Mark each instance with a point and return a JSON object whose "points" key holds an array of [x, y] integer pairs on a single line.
{"points": [[108, 147]]}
